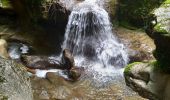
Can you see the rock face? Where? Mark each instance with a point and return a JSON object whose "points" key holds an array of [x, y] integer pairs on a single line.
{"points": [[148, 81], [160, 32], [14, 82]]}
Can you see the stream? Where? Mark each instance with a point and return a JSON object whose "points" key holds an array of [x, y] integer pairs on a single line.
{"points": [[96, 48]]}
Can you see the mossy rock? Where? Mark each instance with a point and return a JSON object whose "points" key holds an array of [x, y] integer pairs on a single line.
{"points": [[129, 66], [161, 35]]}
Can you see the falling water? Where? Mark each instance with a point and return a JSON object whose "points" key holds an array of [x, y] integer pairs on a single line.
{"points": [[89, 34], [90, 38]]}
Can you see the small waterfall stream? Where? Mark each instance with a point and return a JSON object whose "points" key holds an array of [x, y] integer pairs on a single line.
{"points": [[90, 38], [95, 47]]}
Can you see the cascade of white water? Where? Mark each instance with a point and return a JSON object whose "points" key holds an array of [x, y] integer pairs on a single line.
{"points": [[89, 34], [94, 45], [90, 38]]}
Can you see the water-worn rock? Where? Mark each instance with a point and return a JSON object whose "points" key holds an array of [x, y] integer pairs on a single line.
{"points": [[40, 62], [68, 59], [148, 81], [159, 30], [44, 62], [14, 81]]}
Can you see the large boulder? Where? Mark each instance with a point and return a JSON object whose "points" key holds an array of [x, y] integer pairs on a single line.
{"points": [[159, 30], [148, 81], [58, 12], [14, 81]]}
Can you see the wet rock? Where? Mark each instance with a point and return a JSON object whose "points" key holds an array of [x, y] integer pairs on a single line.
{"points": [[40, 62], [52, 87], [54, 79], [44, 62], [75, 73], [16, 49], [3, 49], [67, 59], [58, 88], [147, 80], [14, 81]]}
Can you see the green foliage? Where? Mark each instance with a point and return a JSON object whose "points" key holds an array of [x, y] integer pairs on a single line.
{"points": [[5, 3], [34, 8], [160, 29], [137, 12], [127, 25], [167, 2]]}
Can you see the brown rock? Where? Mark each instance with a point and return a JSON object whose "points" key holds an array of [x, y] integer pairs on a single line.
{"points": [[75, 73], [68, 59], [40, 62]]}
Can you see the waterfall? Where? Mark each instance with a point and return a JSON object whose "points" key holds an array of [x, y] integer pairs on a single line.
{"points": [[89, 35], [95, 47]]}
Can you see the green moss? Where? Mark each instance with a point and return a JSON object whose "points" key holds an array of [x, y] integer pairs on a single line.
{"points": [[167, 2], [159, 28], [5, 3], [128, 67]]}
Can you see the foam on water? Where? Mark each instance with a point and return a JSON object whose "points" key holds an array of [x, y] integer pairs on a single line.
{"points": [[42, 73]]}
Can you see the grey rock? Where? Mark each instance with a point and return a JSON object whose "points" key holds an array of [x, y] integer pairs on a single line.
{"points": [[14, 81]]}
